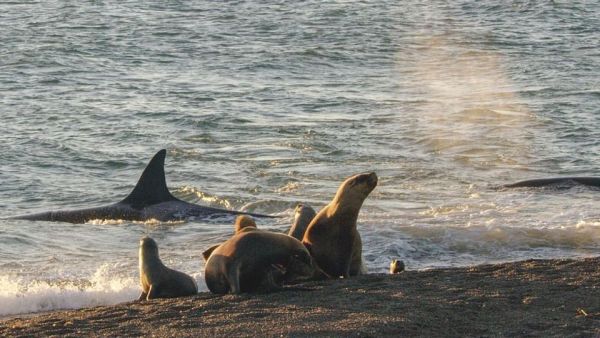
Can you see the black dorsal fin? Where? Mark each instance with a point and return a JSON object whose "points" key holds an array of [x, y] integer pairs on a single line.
{"points": [[151, 188]]}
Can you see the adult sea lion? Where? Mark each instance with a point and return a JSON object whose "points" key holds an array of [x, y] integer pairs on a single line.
{"points": [[157, 280], [331, 237], [303, 215], [256, 261]]}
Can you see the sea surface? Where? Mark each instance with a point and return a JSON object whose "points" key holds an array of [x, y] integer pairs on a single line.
{"points": [[262, 105]]}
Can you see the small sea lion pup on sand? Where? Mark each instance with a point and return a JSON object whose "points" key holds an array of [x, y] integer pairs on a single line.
{"points": [[331, 237], [157, 280], [303, 215], [243, 223], [256, 261], [396, 266]]}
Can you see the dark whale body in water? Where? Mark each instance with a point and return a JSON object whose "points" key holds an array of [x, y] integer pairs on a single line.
{"points": [[566, 182], [150, 199]]}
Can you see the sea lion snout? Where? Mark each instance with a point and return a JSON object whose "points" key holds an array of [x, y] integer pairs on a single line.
{"points": [[367, 181], [368, 178], [372, 179]]}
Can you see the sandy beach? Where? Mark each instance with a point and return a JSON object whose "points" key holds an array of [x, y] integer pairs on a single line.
{"points": [[547, 298]]}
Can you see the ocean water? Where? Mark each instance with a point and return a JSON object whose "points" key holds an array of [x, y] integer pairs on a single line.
{"points": [[263, 104]]}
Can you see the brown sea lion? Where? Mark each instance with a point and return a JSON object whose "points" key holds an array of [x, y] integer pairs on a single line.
{"points": [[303, 215], [157, 280], [331, 237], [256, 261], [242, 223], [396, 266]]}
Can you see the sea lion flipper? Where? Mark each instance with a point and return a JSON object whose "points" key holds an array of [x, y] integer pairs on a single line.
{"points": [[152, 292], [206, 254], [142, 296], [233, 277]]}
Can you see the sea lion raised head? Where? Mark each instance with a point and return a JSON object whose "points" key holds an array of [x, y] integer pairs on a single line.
{"points": [[354, 190], [332, 237], [156, 279], [148, 248], [303, 215], [244, 221]]}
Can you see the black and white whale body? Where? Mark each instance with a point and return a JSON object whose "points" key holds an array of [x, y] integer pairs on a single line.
{"points": [[556, 181], [150, 199]]}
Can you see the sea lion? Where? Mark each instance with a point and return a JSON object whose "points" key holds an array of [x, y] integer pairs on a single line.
{"points": [[242, 223], [396, 266], [331, 237], [157, 280], [303, 215], [256, 261]]}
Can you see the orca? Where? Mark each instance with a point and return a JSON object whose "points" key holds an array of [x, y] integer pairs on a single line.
{"points": [[150, 199], [566, 182]]}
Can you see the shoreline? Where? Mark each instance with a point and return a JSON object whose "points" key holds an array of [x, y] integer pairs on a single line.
{"points": [[555, 297]]}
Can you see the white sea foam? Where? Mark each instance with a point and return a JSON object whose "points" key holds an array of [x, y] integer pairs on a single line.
{"points": [[18, 295], [149, 222], [103, 287]]}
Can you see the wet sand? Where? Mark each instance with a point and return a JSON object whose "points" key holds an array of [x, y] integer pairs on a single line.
{"points": [[547, 298]]}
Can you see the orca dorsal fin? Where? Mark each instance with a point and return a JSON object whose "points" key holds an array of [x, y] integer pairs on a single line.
{"points": [[151, 188]]}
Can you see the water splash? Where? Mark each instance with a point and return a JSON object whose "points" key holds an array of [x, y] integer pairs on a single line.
{"points": [[104, 287], [19, 295]]}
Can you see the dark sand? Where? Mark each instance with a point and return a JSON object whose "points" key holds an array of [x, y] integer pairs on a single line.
{"points": [[546, 298]]}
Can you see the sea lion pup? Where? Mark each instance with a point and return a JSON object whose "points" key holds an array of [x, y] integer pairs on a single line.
{"points": [[157, 280], [396, 266], [331, 237], [256, 261], [303, 215], [242, 223]]}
